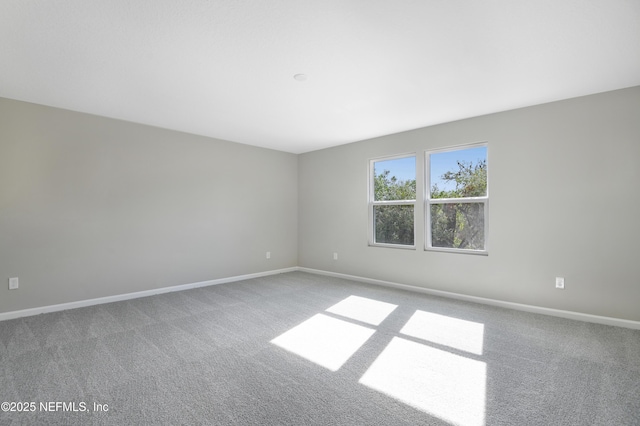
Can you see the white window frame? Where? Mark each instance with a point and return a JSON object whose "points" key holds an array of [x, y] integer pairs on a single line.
{"points": [[373, 202], [428, 201]]}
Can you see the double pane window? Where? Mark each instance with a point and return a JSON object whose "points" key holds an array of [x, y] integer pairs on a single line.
{"points": [[455, 197], [392, 198], [456, 205]]}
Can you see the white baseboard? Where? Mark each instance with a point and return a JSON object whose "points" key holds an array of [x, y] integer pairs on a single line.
{"points": [[116, 298], [493, 302]]}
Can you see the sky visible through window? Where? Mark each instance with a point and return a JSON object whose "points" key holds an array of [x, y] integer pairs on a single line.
{"points": [[447, 161], [441, 162], [402, 168]]}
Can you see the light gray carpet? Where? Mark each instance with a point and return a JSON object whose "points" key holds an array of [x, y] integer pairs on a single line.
{"points": [[205, 356]]}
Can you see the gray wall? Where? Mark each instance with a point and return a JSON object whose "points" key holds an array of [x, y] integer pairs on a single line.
{"points": [[564, 201], [93, 207]]}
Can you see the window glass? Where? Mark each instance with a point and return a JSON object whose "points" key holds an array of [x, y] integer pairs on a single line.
{"points": [[395, 179], [458, 225], [458, 174], [457, 199], [394, 224], [392, 201]]}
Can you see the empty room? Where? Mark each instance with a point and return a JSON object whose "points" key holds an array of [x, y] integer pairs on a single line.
{"points": [[320, 212]]}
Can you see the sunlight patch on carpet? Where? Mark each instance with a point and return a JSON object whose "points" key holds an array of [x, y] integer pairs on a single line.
{"points": [[324, 340], [445, 385], [363, 309], [460, 334]]}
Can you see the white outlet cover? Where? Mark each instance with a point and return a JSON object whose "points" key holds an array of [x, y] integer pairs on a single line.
{"points": [[13, 283], [559, 282]]}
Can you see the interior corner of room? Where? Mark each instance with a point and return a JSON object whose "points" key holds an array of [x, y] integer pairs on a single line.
{"points": [[320, 213], [96, 209]]}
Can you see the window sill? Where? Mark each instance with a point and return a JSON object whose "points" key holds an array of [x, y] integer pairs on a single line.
{"points": [[459, 251], [395, 246]]}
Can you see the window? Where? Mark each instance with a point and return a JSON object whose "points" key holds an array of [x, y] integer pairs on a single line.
{"points": [[392, 199], [457, 199]]}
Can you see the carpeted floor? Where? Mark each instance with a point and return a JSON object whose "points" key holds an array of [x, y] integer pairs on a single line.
{"points": [[303, 349]]}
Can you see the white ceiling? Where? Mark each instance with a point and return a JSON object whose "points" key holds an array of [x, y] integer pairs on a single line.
{"points": [[224, 68]]}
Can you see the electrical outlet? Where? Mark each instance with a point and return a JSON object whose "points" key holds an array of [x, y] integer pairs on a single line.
{"points": [[335, 256], [560, 283], [13, 283], [268, 255]]}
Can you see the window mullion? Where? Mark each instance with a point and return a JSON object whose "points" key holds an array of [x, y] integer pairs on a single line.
{"points": [[457, 223], [457, 200], [394, 203], [392, 216]]}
